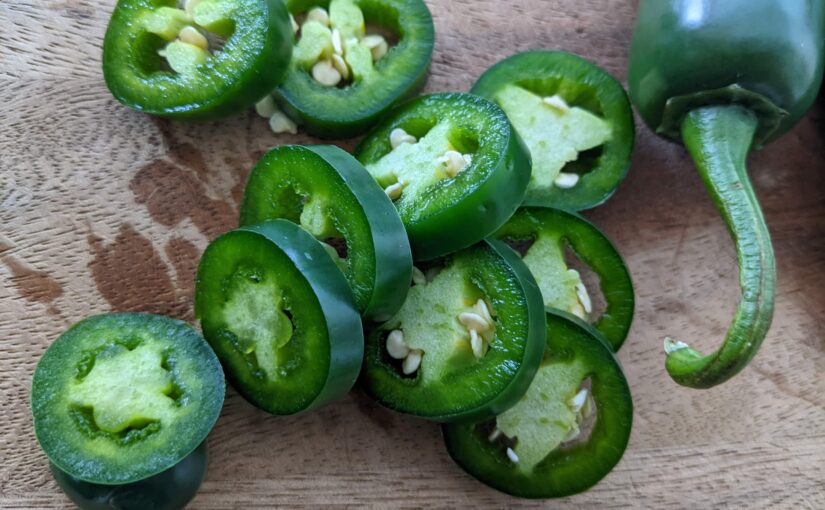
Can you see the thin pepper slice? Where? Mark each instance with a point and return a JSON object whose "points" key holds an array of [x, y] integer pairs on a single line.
{"points": [[213, 59], [328, 192], [460, 378], [569, 430], [548, 233], [574, 117], [121, 397], [373, 87], [723, 78], [172, 489], [447, 203], [280, 316]]}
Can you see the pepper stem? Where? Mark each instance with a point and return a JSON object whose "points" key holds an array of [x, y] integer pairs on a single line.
{"points": [[719, 138]]}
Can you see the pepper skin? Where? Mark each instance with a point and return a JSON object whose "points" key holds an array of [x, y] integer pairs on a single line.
{"points": [[723, 78]]}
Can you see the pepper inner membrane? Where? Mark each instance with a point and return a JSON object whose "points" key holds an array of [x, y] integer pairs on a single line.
{"points": [[125, 390], [258, 317], [566, 282], [430, 322], [563, 126], [423, 159], [558, 411], [179, 39], [340, 43]]}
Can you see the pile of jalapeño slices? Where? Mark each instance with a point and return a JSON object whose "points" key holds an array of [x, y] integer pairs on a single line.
{"points": [[442, 268]]}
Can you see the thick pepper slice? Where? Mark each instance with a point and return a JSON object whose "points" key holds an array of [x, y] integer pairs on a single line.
{"points": [[330, 194], [454, 166], [569, 430], [166, 61], [466, 343], [172, 489], [121, 397], [280, 316], [574, 117], [544, 234], [723, 78], [374, 79]]}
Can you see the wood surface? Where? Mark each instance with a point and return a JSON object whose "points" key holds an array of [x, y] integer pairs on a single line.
{"points": [[102, 208]]}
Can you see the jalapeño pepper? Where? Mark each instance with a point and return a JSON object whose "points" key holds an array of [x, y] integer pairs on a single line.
{"points": [[329, 193], [121, 403], [280, 316], [574, 117], [467, 341], [568, 431], [724, 77], [544, 234], [353, 60], [210, 59], [454, 166]]}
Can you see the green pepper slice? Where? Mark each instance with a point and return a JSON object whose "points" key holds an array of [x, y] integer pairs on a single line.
{"points": [[466, 343], [566, 434], [165, 61], [168, 490], [374, 82], [549, 232], [328, 193], [121, 397], [454, 166], [280, 316], [574, 117]]}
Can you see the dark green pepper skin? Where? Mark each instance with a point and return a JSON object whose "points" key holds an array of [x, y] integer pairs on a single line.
{"points": [[251, 63], [330, 112], [722, 78], [569, 469], [172, 489], [766, 55]]}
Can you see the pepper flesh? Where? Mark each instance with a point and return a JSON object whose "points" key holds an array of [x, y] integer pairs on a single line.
{"points": [[722, 78]]}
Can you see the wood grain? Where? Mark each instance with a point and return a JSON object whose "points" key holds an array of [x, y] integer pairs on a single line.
{"points": [[103, 209]]}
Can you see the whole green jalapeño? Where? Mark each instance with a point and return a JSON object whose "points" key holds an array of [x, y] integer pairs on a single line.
{"points": [[354, 60], [210, 59]]}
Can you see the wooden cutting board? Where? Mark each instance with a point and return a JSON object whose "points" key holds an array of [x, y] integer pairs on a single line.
{"points": [[102, 208]]}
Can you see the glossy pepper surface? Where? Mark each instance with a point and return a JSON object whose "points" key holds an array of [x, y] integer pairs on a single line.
{"points": [[166, 61], [723, 77]]}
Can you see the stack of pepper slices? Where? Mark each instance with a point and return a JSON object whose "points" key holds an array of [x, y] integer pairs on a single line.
{"points": [[436, 266]]}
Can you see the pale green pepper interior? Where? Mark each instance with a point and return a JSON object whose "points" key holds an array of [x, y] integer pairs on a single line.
{"points": [[545, 259], [126, 388], [555, 137], [429, 320], [254, 313], [543, 418], [212, 16], [415, 164], [315, 41]]}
